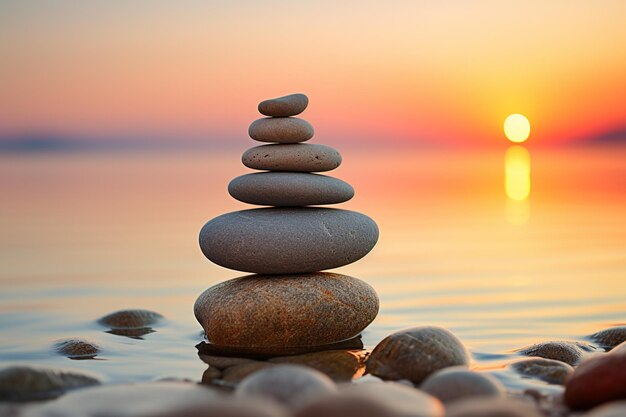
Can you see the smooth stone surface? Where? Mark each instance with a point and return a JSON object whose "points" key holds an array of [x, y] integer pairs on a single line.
{"points": [[288, 240], [295, 157], [339, 365], [25, 383], [569, 352], [281, 130], [599, 379], [290, 385], [130, 319], [260, 312], [77, 349], [614, 409], [284, 106], [547, 370], [289, 189], [161, 399], [609, 338], [416, 353], [457, 382], [204, 348], [492, 407]]}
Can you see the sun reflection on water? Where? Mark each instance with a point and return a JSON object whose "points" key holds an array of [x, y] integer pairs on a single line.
{"points": [[517, 184]]}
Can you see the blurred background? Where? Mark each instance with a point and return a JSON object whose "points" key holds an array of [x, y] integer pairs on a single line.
{"points": [[121, 124]]}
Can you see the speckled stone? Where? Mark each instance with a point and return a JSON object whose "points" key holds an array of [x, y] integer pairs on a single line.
{"points": [[548, 370], [569, 352], [339, 365], [281, 130], [492, 407], [599, 379], [288, 240], [284, 106], [130, 319], [290, 385], [25, 383], [156, 399], [77, 349], [415, 354], [609, 338], [387, 399], [295, 157], [264, 312], [289, 189], [457, 382]]}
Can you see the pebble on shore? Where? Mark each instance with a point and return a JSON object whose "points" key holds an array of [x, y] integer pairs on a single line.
{"points": [[607, 339], [77, 349], [416, 353], [569, 352], [457, 382]]}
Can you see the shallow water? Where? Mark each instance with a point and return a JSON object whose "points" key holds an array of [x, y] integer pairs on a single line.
{"points": [[504, 248]]}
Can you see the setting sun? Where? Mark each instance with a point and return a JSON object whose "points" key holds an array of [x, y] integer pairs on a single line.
{"points": [[516, 128]]}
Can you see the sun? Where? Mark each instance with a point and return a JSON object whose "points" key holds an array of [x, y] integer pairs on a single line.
{"points": [[517, 128]]}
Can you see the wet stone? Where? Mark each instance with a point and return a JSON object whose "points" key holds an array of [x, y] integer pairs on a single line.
{"points": [[457, 382], [289, 189], [415, 354], [296, 157], [290, 385], [281, 130], [339, 365], [609, 338], [547, 370], [266, 313], [284, 106], [24, 383], [569, 352], [77, 349], [130, 319]]}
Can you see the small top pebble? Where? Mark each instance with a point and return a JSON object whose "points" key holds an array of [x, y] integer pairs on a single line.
{"points": [[284, 106]]}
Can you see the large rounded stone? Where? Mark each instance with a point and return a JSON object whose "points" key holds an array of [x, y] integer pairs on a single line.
{"points": [[281, 130], [457, 382], [548, 370], [289, 189], [290, 385], [295, 157], [597, 380], [288, 240], [284, 106], [416, 353], [264, 313], [609, 338]]}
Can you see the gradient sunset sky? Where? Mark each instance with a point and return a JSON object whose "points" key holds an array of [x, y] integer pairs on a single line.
{"points": [[377, 72]]}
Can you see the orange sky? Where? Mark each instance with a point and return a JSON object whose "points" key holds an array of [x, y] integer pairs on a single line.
{"points": [[444, 72]]}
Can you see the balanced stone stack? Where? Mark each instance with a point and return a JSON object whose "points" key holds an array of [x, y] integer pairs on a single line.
{"points": [[289, 306]]}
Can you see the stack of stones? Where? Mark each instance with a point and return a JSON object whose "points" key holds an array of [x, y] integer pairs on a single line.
{"points": [[288, 307]]}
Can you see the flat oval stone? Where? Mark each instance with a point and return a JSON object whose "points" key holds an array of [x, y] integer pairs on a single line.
{"points": [[415, 354], [284, 106], [281, 130], [289, 189], [264, 312], [295, 157], [288, 240]]}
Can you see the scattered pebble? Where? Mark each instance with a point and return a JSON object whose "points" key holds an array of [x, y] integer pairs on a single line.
{"points": [[25, 383], [290, 385], [285, 106], [548, 370], [416, 353], [130, 319], [569, 352], [77, 349], [597, 380], [609, 338], [457, 382]]}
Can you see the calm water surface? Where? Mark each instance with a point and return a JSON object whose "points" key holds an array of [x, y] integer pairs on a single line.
{"points": [[505, 248]]}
